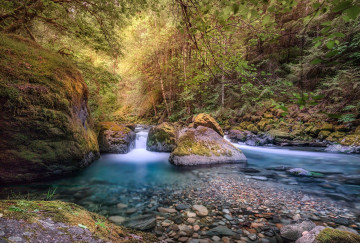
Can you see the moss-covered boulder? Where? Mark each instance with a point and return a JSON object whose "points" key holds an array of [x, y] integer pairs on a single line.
{"points": [[206, 120], [45, 123], [204, 146], [115, 138], [336, 137], [280, 134], [351, 140], [60, 222], [329, 235], [162, 138]]}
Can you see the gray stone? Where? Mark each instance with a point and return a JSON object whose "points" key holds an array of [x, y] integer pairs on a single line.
{"points": [[294, 231], [220, 230], [117, 219], [310, 237], [182, 207], [15, 238], [201, 210], [142, 222]]}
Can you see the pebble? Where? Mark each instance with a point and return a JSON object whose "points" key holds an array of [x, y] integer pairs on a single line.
{"points": [[117, 219], [191, 214], [215, 238], [201, 210], [15, 238], [2, 233], [252, 237], [196, 227], [121, 205], [167, 210]]}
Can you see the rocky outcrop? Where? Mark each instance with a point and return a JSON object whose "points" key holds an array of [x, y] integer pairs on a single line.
{"points": [[45, 125], [115, 138], [162, 138], [206, 120], [204, 146], [60, 222]]}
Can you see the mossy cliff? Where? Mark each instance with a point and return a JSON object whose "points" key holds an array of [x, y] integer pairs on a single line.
{"points": [[45, 123], [60, 222]]}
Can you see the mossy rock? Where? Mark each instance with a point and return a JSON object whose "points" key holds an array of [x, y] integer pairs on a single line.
{"points": [[323, 134], [280, 134], [115, 138], [63, 221], [252, 128], [45, 123], [357, 130], [327, 127], [162, 138], [351, 140], [329, 235], [336, 137], [263, 123], [268, 115], [244, 125], [206, 120], [203, 146]]}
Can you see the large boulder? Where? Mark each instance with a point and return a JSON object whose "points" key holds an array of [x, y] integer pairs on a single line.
{"points": [[45, 125], [206, 120], [115, 138], [204, 146], [162, 138]]}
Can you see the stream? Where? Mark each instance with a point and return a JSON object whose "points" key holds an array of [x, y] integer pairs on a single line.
{"points": [[144, 180]]}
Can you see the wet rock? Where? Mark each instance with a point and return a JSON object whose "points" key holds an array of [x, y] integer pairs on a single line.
{"points": [[347, 229], [310, 237], [294, 231], [252, 237], [260, 178], [167, 210], [162, 138], [182, 207], [117, 219], [201, 210], [115, 138], [249, 170], [142, 222], [220, 231], [299, 172], [121, 206], [203, 146], [206, 120]]}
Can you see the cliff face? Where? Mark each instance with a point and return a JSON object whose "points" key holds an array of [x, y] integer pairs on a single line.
{"points": [[45, 123]]}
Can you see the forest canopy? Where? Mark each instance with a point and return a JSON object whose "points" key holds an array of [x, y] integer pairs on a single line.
{"points": [[169, 59]]}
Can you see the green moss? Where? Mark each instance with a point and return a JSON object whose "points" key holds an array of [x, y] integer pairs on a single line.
{"points": [[165, 133], [329, 235], [42, 119], [189, 145], [252, 128], [68, 213]]}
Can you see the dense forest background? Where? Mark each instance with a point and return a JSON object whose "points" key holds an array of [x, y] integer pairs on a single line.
{"points": [[150, 61]]}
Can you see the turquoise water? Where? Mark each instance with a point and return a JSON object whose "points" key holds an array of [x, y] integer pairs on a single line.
{"points": [[140, 177]]}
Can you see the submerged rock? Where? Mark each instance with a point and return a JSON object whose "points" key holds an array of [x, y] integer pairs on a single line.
{"points": [[299, 172], [206, 120], [162, 138], [338, 148], [142, 222], [115, 138], [45, 125], [203, 146], [220, 231]]}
